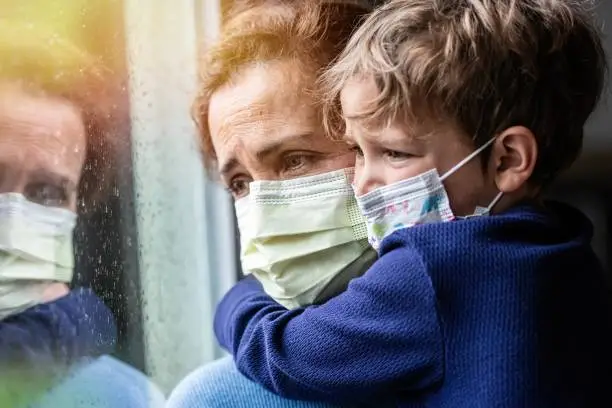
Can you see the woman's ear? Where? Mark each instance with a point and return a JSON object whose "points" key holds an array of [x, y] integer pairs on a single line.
{"points": [[513, 158]]}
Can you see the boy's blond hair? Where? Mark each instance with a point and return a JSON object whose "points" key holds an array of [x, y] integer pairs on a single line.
{"points": [[483, 65]]}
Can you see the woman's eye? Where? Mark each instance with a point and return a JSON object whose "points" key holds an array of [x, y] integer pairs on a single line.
{"points": [[239, 187], [298, 163], [48, 195], [295, 162], [357, 150]]}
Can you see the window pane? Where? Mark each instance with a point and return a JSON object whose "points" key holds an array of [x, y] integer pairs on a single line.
{"points": [[157, 244], [185, 225]]}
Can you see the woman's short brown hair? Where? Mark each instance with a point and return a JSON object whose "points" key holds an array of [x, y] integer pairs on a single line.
{"points": [[41, 61], [313, 32]]}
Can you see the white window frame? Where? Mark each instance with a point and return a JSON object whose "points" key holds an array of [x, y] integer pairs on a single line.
{"points": [[187, 251]]}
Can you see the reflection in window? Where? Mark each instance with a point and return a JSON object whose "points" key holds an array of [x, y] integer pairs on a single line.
{"points": [[157, 244], [64, 149]]}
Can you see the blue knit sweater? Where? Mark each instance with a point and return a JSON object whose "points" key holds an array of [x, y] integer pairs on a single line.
{"points": [[509, 311]]}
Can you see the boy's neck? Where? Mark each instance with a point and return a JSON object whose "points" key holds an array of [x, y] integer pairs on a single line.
{"points": [[527, 195]]}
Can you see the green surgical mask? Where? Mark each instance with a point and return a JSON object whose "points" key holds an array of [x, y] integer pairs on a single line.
{"points": [[303, 238], [35, 250]]}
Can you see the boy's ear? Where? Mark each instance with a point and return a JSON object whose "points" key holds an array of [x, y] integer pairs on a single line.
{"points": [[513, 158]]}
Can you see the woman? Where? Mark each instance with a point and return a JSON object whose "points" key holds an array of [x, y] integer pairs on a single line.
{"points": [[260, 126], [55, 146]]}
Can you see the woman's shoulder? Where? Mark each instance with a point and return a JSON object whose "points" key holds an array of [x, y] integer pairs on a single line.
{"points": [[220, 385]]}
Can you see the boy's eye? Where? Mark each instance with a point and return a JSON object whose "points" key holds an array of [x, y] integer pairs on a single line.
{"points": [[395, 155], [239, 187]]}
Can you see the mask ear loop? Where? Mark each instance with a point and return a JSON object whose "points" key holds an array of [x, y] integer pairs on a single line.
{"points": [[495, 201], [466, 160]]}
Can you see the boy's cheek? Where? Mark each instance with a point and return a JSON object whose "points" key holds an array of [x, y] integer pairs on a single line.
{"points": [[466, 190]]}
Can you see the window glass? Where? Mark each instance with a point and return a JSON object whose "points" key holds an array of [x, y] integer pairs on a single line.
{"points": [[156, 239], [185, 225]]}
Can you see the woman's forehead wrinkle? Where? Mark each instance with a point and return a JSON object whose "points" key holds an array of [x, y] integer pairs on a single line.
{"points": [[254, 115], [251, 119]]}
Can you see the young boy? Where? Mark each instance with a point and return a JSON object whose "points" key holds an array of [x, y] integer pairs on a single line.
{"points": [[484, 295]]}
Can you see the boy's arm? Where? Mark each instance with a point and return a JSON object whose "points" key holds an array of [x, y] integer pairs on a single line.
{"points": [[380, 336], [58, 333]]}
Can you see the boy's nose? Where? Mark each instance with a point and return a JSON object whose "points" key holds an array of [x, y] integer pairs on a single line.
{"points": [[365, 180]]}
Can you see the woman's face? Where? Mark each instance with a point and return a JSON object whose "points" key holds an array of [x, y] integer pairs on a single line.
{"points": [[265, 126], [42, 147]]}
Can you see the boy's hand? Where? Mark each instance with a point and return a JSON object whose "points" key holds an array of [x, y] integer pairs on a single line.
{"points": [[55, 291]]}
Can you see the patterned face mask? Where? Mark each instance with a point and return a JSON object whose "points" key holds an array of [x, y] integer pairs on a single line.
{"points": [[418, 200]]}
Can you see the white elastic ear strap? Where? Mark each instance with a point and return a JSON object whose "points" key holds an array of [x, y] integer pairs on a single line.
{"points": [[495, 200], [467, 159]]}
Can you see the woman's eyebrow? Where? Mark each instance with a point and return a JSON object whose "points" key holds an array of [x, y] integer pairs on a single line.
{"points": [[269, 148], [228, 166], [274, 146]]}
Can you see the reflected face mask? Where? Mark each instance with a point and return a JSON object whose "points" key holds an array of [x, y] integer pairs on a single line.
{"points": [[299, 235], [417, 200], [35, 248]]}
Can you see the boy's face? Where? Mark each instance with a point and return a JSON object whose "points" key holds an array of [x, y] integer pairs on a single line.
{"points": [[386, 155]]}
